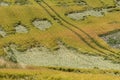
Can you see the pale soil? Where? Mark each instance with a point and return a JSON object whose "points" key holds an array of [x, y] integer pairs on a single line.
{"points": [[21, 29], [118, 3], [2, 32], [115, 37], [42, 24], [4, 4], [96, 13], [84, 14], [63, 57]]}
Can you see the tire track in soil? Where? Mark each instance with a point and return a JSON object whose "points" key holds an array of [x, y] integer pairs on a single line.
{"points": [[94, 41], [71, 30]]}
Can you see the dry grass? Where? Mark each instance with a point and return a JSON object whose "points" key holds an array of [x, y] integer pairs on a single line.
{"points": [[46, 74], [93, 26], [27, 13]]}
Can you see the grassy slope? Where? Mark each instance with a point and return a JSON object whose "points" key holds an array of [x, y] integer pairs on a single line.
{"points": [[9, 16], [46, 74], [91, 25], [13, 14], [27, 13]]}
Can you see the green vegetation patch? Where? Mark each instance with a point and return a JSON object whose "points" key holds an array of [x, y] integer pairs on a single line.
{"points": [[21, 2]]}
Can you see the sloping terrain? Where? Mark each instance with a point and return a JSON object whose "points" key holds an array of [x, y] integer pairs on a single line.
{"points": [[47, 74], [60, 33]]}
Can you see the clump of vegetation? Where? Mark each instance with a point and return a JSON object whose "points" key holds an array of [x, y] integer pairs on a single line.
{"points": [[38, 0], [21, 2], [80, 2], [113, 41], [18, 76], [93, 71]]}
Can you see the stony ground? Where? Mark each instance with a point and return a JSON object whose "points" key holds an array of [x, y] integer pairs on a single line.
{"points": [[113, 39]]}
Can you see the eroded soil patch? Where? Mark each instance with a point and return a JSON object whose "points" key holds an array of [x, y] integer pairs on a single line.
{"points": [[21, 29], [42, 24], [118, 2], [112, 38], [83, 14], [98, 12], [3, 3], [63, 57], [2, 32]]}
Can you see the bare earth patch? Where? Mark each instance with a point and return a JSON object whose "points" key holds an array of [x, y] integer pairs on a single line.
{"points": [[83, 14], [4, 4], [42, 24], [2, 32], [63, 57], [118, 2], [21, 29]]}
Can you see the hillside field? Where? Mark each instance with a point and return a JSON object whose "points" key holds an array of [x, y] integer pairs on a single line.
{"points": [[79, 34]]}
